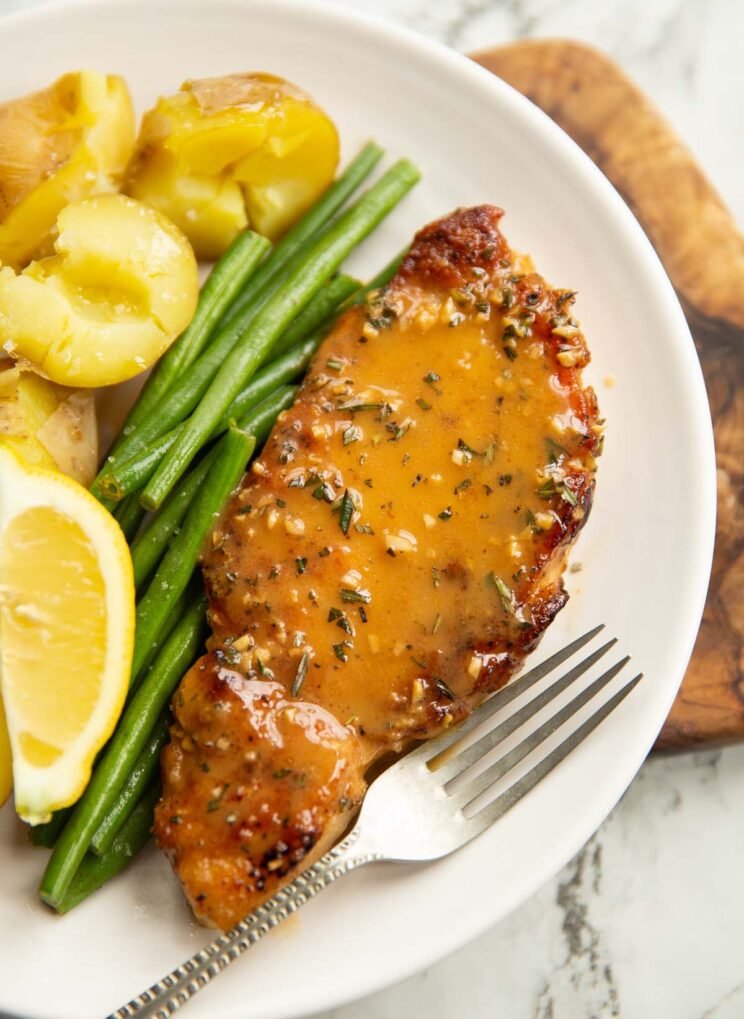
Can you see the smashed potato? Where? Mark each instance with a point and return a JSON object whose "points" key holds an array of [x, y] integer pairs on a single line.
{"points": [[226, 153], [121, 286], [57, 146], [6, 761], [48, 425]]}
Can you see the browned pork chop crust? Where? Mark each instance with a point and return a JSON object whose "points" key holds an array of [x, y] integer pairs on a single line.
{"points": [[389, 560]]}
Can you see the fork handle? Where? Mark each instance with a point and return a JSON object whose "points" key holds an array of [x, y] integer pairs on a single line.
{"points": [[168, 995]]}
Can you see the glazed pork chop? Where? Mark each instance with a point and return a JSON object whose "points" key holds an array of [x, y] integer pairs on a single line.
{"points": [[388, 561]]}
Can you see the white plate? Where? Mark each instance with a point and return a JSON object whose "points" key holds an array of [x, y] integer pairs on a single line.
{"points": [[646, 551]]}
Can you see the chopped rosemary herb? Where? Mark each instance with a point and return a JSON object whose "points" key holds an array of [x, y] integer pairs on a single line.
{"points": [[352, 434], [349, 594], [347, 511], [368, 482], [264, 670], [362, 613], [423, 404], [300, 674], [339, 650], [354, 408], [444, 689], [555, 450], [446, 513], [344, 623], [432, 377], [282, 773], [324, 552], [465, 483], [398, 432], [505, 592], [568, 495], [552, 487], [437, 623], [334, 614], [463, 446], [417, 661], [281, 503], [215, 803], [324, 492], [363, 529], [300, 563]]}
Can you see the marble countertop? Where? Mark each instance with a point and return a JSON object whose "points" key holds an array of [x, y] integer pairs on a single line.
{"points": [[647, 920]]}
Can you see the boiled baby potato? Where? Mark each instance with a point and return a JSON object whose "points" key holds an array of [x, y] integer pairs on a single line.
{"points": [[226, 153], [57, 146], [48, 425], [6, 761], [120, 287]]}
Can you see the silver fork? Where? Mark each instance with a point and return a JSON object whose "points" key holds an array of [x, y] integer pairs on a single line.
{"points": [[421, 808]]}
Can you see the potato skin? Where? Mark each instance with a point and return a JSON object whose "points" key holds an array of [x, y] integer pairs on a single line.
{"points": [[121, 286], [230, 152], [48, 425], [57, 146]]}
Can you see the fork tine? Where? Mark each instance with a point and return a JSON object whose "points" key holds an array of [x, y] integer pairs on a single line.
{"points": [[431, 749], [472, 754], [472, 789], [497, 808]]}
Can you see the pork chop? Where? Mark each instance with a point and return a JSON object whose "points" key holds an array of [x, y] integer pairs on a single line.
{"points": [[388, 561]]}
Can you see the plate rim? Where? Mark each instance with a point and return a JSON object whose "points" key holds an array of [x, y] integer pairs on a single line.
{"points": [[459, 65]]}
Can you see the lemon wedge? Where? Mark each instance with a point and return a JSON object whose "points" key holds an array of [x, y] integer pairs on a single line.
{"points": [[66, 631]]}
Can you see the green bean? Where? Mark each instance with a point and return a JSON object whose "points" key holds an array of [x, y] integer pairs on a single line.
{"points": [[46, 834], [277, 373], [174, 572], [129, 514], [177, 404], [305, 232], [143, 771], [151, 543], [300, 285], [260, 420], [228, 276], [95, 871], [317, 312], [132, 474], [126, 478], [132, 732], [174, 615]]}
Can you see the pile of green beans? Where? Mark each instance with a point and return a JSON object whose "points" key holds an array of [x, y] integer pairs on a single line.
{"points": [[210, 400]]}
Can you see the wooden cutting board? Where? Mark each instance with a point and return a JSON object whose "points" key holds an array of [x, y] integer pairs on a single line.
{"points": [[703, 252]]}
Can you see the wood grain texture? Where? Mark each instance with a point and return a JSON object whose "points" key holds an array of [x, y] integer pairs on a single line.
{"points": [[703, 251]]}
